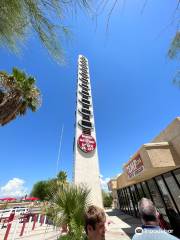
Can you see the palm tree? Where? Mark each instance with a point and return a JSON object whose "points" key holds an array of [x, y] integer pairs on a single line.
{"points": [[46, 18], [17, 94], [62, 177], [174, 52], [69, 205]]}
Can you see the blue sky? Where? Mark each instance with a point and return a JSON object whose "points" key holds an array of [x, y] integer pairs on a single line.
{"points": [[133, 95]]}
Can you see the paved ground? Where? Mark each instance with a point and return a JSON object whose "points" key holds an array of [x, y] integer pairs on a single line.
{"points": [[122, 226], [43, 232]]}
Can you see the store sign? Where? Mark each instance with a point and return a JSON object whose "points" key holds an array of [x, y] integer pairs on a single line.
{"points": [[86, 143], [134, 167]]}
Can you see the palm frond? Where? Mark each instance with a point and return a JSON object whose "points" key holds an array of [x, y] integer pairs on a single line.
{"points": [[70, 203], [174, 50], [18, 93], [44, 17]]}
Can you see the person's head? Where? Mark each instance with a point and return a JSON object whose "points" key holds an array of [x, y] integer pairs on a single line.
{"points": [[148, 212], [95, 219]]}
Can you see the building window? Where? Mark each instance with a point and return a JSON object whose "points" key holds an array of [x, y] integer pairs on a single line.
{"points": [[157, 198], [131, 207], [166, 190], [120, 199], [141, 195], [134, 197], [126, 209], [135, 193], [146, 190], [177, 175], [173, 187], [133, 202], [118, 195], [126, 201]]}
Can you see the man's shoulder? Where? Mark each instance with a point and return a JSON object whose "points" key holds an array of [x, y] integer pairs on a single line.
{"points": [[154, 235]]}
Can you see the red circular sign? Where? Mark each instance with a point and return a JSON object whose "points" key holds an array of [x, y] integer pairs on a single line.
{"points": [[86, 143]]}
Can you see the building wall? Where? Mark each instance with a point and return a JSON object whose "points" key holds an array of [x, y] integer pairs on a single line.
{"points": [[159, 156], [172, 135], [163, 190], [157, 177]]}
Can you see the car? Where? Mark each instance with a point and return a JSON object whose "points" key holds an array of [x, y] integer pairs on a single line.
{"points": [[21, 211], [5, 213], [18, 211]]}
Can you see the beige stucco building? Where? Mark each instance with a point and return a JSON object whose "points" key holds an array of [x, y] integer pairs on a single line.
{"points": [[154, 172]]}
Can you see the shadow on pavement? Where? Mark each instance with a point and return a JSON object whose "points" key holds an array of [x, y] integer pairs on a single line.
{"points": [[126, 219]]}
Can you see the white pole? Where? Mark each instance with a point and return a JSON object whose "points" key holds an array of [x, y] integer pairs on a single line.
{"points": [[45, 220], [39, 218], [59, 151], [27, 232], [15, 229]]}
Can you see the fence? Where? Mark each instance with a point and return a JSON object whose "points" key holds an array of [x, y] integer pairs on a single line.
{"points": [[26, 226]]}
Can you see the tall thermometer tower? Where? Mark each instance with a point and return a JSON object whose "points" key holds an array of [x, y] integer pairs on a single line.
{"points": [[86, 164]]}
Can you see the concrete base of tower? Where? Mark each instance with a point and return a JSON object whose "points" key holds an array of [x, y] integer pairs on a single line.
{"points": [[86, 172], [95, 195]]}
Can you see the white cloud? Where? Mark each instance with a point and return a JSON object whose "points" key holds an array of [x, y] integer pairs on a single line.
{"points": [[13, 188], [104, 182]]}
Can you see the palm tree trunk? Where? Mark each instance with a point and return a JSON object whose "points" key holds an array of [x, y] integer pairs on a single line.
{"points": [[11, 112], [9, 106]]}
